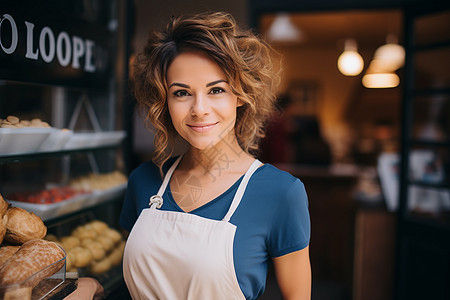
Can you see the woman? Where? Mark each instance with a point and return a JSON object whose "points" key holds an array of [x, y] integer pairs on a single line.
{"points": [[204, 225]]}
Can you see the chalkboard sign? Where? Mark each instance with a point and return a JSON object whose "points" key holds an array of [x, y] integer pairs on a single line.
{"points": [[67, 43]]}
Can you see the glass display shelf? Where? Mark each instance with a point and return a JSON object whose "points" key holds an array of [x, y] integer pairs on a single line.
{"points": [[11, 158]]}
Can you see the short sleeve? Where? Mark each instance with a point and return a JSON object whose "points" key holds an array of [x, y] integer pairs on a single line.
{"points": [[290, 229]]}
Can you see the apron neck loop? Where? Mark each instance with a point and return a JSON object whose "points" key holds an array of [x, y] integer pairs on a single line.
{"points": [[241, 189], [157, 200]]}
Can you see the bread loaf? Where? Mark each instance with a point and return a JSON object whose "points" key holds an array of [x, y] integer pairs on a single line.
{"points": [[6, 252], [3, 206], [3, 223], [23, 226], [32, 257]]}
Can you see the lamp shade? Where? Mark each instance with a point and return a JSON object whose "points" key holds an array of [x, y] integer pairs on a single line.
{"points": [[283, 30], [350, 62], [392, 56], [380, 80]]}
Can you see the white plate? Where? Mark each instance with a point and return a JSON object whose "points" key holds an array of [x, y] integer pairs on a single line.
{"points": [[94, 139], [22, 140], [109, 137], [56, 140], [81, 140]]}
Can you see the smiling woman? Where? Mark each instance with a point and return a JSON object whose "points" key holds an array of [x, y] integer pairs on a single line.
{"points": [[217, 215]]}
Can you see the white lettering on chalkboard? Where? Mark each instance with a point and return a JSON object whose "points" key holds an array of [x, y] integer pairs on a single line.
{"points": [[14, 34], [66, 48]]}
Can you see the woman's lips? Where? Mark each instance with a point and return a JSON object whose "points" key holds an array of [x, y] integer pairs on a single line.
{"points": [[202, 127]]}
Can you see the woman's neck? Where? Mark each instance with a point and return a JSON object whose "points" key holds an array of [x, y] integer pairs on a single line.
{"points": [[225, 156]]}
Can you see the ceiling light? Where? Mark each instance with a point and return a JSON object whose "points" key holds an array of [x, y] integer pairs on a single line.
{"points": [[391, 54], [283, 30], [380, 80], [350, 63]]}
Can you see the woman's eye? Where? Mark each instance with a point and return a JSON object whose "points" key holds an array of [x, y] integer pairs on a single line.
{"points": [[217, 90], [181, 93]]}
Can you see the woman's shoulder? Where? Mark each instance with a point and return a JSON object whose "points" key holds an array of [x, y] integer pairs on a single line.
{"points": [[276, 175], [149, 170]]}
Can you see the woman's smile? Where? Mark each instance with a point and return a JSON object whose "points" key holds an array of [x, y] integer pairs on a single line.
{"points": [[203, 127]]}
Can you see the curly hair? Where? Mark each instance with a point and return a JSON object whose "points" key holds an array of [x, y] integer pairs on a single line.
{"points": [[245, 59]]}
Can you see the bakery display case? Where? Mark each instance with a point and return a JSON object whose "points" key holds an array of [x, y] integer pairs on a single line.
{"points": [[63, 74]]}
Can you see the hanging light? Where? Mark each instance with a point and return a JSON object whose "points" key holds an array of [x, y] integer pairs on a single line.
{"points": [[380, 80], [391, 54], [350, 62], [283, 30], [386, 60]]}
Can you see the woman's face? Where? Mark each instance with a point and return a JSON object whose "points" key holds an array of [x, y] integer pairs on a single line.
{"points": [[201, 103]]}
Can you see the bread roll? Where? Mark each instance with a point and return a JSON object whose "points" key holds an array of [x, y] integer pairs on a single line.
{"points": [[113, 234], [101, 266], [3, 206], [97, 225], [83, 257], [70, 260], [6, 252], [117, 254], [23, 226], [51, 237], [32, 257], [82, 232], [97, 250], [106, 242], [3, 223], [69, 242]]}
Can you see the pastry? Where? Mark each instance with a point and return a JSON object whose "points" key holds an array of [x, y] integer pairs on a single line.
{"points": [[6, 252], [83, 257], [106, 242], [82, 232], [113, 234], [3, 224], [23, 226], [32, 257], [97, 225], [102, 266], [69, 242], [3, 206], [97, 250]]}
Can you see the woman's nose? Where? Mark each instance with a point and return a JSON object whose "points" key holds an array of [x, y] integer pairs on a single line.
{"points": [[200, 106]]}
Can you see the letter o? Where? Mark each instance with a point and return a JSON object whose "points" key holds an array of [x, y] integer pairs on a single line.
{"points": [[47, 56], [63, 40], [14, 34]]}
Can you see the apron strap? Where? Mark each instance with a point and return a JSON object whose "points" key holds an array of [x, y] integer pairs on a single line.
{"points": [[156, 201], [166, 180], [241, 189]]}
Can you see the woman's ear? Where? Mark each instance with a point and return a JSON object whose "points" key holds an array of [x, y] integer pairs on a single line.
{"points": [[240, 102]]}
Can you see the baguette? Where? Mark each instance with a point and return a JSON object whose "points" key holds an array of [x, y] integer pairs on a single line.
{"points": [[32, 257]]}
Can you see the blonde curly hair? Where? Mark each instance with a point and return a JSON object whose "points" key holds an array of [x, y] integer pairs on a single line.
{"points": [[245, 59]]}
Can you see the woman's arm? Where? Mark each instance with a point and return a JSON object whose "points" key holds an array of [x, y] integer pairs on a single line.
{"points": [[293, 272], [88, 289]]}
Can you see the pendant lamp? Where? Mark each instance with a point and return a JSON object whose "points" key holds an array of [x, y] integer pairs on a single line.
{"points": [[350, 62], [283, 30]]}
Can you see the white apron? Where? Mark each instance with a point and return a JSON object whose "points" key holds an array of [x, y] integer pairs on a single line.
{"points": [[177, 256]]}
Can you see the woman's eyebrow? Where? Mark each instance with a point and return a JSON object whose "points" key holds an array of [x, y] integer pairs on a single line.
{"points": [[179, 84], [216, 82]]}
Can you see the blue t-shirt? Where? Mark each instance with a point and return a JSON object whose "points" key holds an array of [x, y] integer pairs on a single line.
{"points": [[272, 218]]}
